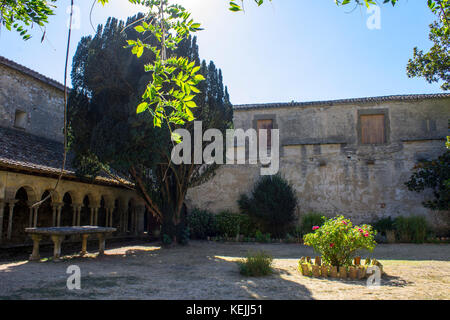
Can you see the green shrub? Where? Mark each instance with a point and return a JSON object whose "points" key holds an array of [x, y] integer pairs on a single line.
{"points": [[434, 175], [261, 237], [256, 264], [384, 224], [308, 221], [228, 223], [247, 226], [413, 229], [338, 240], [202, 224], [271, 205]]}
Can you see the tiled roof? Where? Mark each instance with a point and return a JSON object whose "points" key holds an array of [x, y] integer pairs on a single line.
{"points": [[31, 73], [410, 97], [25, 152]]}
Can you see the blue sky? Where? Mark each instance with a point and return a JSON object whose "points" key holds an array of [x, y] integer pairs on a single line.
{"points": [[286, 50]]}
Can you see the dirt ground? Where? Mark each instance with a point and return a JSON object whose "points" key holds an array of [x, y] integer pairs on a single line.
{"points": [[208, 270]]}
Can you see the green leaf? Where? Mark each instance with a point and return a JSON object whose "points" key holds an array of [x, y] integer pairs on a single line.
{"points": [[142, 107]]}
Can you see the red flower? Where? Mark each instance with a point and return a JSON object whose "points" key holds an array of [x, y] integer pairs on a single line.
{"points": [[331, 245], [315, 228]]}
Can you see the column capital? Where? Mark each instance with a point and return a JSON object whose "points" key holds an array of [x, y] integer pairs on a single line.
{"points": [[12, 202], [77, 205], [57, 204]]}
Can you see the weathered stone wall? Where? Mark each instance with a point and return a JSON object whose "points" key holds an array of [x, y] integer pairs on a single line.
{"points": [[330, 170], [43, 104]]}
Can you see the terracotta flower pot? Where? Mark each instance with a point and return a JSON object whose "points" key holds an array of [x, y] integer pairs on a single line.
{"points": [[357, 261], [353, 273], [318, 261], [343, 272], [361, 272], [324, 271], [308, 259], [305, 269], [316, 271], [334, 272]]}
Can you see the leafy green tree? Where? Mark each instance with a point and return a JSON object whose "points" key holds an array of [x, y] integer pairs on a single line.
{"points": [[106, 134], [21, 14], [434, 175], [433, 65]]}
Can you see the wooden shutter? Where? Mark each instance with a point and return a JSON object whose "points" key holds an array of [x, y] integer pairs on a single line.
{"points": [[266, 124], [373, 129]]}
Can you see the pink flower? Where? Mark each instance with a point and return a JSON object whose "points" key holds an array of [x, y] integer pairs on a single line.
{"points": [[344, 222], [315, 228], [360, 230], [331, 245], [366, 234]]}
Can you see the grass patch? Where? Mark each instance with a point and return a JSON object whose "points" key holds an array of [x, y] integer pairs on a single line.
{"points": [[256, 264]]}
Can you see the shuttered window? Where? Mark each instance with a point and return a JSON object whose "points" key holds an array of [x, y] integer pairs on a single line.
{"points": [[266, 124], [373, 129]]}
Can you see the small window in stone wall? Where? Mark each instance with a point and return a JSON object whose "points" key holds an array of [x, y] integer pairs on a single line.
{"points": [[20, 119], [268, 125], [373, 129]]}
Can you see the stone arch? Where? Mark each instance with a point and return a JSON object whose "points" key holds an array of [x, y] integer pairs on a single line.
{"points": [[67, 210], [45, 211], [17, 216], [55, 196], [85, 213], [102, 213]]}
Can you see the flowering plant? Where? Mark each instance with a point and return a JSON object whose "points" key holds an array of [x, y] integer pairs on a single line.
{"points": [[338, 240]]}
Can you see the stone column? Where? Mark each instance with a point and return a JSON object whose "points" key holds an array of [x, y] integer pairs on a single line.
{"points": [[2, 207], [101, 244], [92, 216], [111, 211], [54, 216], [96, 216], [139, 219], [107, 210], [74, 215], [35, 254], [57, 240], [84, 238], [78, 210], [58, 214], [35, 209], [11, 203], [30, 219]]}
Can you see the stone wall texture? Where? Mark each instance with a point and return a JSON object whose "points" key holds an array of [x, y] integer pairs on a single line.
{"points": [[42, 103], [331, 171]]}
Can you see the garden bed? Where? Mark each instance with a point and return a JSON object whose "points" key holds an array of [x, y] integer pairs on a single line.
{"points": [[316, 269]]}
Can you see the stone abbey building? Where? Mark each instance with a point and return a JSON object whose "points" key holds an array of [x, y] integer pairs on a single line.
{"points": [[31, 153], [348, 157]]}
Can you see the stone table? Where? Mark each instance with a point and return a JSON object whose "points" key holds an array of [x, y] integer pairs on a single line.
{"points": [[57, 235]]}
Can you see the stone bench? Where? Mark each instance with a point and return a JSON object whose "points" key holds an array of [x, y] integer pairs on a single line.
{"points": [[57, 235]]}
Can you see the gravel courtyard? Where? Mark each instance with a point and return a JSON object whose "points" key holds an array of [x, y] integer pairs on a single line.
{"points": [[208, 270]]}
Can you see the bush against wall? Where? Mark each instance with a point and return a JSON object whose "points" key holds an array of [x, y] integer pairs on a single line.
{"points": [[309, 220], [433, 175], [271, 204], [202, 224], [411, 229]]}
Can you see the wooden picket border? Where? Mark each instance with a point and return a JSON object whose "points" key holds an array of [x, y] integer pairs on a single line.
{"points": [[356, 271]]}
